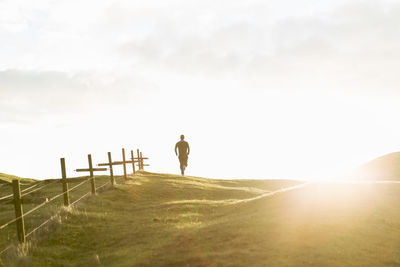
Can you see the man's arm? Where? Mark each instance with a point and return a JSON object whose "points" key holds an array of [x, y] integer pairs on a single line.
{"points": [[176, 146], [188, 149]]}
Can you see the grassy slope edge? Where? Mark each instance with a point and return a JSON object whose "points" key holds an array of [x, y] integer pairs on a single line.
{"points": [[7, 178], [167, 220], [386, 167]]}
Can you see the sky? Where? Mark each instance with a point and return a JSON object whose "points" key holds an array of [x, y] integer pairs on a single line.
{"points": [[297, 89]]}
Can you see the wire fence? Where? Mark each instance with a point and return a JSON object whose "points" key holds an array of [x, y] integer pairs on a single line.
{"points": [[47, 202], [2, 185], [7, 197], [38, 189], [46, 195]]}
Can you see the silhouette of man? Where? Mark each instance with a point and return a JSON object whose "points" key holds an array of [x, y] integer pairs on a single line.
{"points": [[184, 151]]}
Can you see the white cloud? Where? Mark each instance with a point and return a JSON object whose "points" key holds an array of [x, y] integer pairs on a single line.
{"points": [[353, 47], [26, 96]]}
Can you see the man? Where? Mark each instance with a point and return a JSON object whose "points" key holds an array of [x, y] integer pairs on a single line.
{"points": [[184, 151]]}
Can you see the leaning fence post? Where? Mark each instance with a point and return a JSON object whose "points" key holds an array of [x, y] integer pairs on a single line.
{"points": [[18, 211], [64, 183], [124, 163], [91, 174], [133, 162], [111, 169]]}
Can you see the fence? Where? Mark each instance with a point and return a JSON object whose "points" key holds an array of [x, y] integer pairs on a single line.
{"points": [[21, 192]]}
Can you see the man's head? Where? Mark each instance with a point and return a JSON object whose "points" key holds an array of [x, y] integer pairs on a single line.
{"points": [[182, 137]]}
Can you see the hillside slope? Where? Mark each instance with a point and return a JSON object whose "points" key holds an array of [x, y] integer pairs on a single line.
{"points": [[166, 220], [7, 178], [386, 167]]}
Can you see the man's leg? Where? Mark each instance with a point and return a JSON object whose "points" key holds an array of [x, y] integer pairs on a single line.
{"points": [[182, 165], [184, 162]]}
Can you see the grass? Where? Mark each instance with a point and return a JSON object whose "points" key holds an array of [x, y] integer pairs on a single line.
{"points": [[167, 220], [385, 167], [50, 189], [6, 178]]}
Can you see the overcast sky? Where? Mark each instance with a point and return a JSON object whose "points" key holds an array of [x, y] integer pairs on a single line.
{"points": [[261, 89]]}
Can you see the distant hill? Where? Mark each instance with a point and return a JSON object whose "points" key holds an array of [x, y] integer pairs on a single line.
{"points": [[7, 178], [386, 167]]}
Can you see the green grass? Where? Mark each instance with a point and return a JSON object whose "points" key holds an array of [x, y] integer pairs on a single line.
{"points": [[6, 178], [167, 220], [52, 188]]}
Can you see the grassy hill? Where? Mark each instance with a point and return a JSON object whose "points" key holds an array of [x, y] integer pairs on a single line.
{"points": [[35, 192], [167, 220], [6, 178], [386, 167]]}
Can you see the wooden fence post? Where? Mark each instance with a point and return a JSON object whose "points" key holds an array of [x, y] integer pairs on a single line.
{"points": [[141, 161], [124, 163], [133, 162], [18, 211], [91, 174], [91, 170], [64, 183], [111, 169], [138, 157]]}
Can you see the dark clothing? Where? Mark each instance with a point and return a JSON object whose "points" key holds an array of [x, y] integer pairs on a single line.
{"points": [[184, 151], [183, 159], [183, 148]]}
